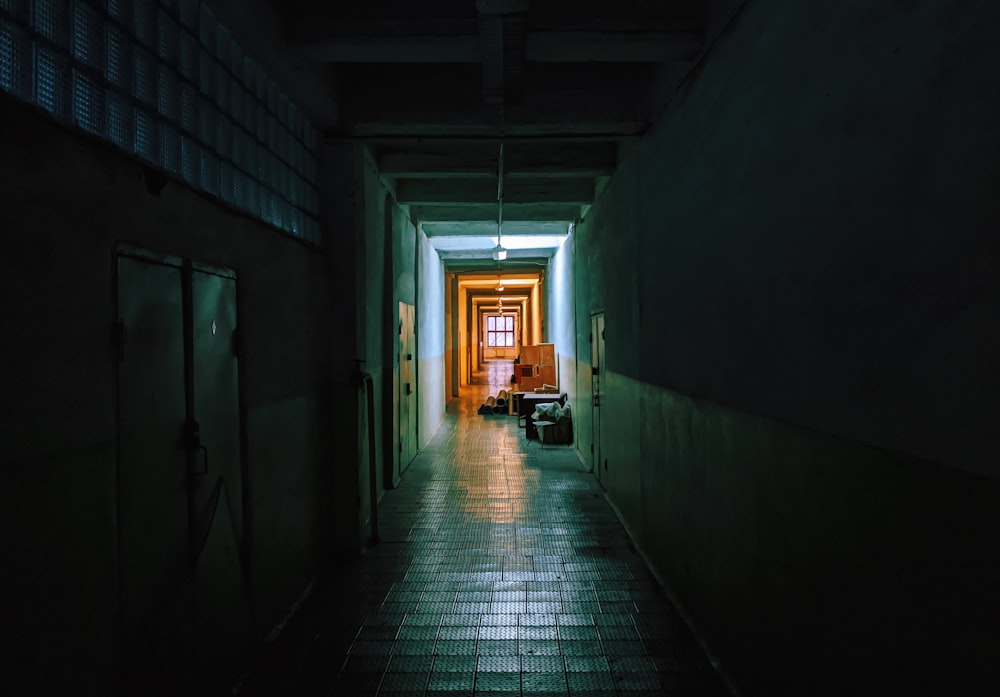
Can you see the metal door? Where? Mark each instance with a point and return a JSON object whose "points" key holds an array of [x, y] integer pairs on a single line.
{"points": [[407, 387], [186, 619], [223, 631], [599, 462], [156, 603]]}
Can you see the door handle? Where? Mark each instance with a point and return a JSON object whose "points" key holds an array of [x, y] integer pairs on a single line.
{"points": [[194, 444], [204, 462]]}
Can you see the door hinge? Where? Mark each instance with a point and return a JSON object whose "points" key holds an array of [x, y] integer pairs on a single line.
{"points": [[119, 338], [591, 447], [400, 446], [597, 400], [602, 334], [591, 336]]}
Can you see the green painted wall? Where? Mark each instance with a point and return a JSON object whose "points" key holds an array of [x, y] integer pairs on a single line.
{"points": [[373, 293], [798, 266]]}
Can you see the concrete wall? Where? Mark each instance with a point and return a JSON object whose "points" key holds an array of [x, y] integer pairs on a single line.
{"points": [[388, 244], [451, 335], [560, 319], [401, 264], [798, 267], [465, 338], [343, 201], [375, 324], [535, 319], [66, 200], [431, 318]]}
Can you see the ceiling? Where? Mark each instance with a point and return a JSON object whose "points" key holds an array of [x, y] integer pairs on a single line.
{"points": [[436, 87]]}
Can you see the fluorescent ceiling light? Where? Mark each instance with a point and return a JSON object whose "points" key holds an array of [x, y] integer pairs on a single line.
{"points": [[487, 245]]}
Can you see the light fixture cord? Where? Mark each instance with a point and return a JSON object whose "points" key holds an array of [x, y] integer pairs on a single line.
{"points": [[500, 196]]}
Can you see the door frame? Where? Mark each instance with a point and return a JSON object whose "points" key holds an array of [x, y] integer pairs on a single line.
{"points": [[187, 269], [598, 354]]}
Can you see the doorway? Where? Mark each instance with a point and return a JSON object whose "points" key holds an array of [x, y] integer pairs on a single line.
{"points": [[599, 463], [184, 607], [405, 389]]}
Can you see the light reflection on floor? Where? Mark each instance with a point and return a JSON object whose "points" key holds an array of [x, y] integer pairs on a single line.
{"points": [[502, 571]]}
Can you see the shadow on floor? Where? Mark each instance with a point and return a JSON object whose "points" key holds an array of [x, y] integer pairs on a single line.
{"points": [[502, 570]]}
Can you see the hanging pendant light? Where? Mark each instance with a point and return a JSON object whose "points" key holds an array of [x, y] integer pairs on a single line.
{"points": [[499, 252]]}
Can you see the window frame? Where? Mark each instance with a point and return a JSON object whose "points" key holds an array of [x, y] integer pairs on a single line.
{"points": [[509, 335]]}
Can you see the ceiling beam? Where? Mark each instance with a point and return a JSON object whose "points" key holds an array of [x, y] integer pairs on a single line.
{"points": [[604, 118], [306, 28], [488, 228], [491, 49], [423, 126], [580, 160], [432, 191], [540, 47], [599, 47], [513, 255], [559, 100], [560, 212], [393, 49]]}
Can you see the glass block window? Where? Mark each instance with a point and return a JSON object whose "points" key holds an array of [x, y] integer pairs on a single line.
{"points": [[147, 135], [170, 147], [89, 109], [89, 36], [190, 160], [17, 71], [119, 61], [16, 9], [54, 77], [51, 20], [165, 81], [121, 121]]}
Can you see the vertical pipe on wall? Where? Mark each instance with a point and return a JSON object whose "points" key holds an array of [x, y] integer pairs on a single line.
{"points": [[390, 351], [360, 322], [366, 385]]}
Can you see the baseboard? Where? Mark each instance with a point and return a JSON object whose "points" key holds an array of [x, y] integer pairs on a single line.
{"points": [[292, 610], [713, 658]]}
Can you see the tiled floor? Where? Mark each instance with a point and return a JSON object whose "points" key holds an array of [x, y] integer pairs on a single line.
{"points": [[496, 374], [501, 571]]}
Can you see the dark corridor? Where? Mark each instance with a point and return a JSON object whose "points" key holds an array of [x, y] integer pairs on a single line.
{"points": [[501, 570]]}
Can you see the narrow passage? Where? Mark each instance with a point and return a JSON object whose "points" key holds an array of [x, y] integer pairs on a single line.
{"points": [[501, 571]]}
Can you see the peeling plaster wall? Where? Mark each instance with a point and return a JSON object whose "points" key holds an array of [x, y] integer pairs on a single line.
{"points": [[799, 270]]}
